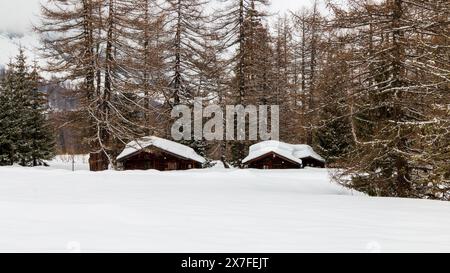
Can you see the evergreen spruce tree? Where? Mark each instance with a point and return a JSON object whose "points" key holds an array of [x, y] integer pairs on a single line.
{"points": [[21, 102], [9, 127], [25, 137], [41, 134]]}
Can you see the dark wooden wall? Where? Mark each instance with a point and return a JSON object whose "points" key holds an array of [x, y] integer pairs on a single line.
{"points": [[271, 162], [98, 162], [311, 162]]}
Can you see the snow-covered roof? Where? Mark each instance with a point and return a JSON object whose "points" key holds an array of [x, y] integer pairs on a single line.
{"points": [[163, 144], [293, 152]]}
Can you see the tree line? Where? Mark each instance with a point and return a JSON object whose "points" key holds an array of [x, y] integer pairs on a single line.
{"points": [[364, 82]]}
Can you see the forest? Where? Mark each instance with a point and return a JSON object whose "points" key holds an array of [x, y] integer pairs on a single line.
{"points": [[364, 82]]}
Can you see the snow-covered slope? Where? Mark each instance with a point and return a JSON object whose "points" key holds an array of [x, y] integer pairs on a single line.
{"points": [[214, 210]]}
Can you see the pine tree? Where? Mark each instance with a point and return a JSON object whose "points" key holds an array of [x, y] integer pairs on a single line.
{"points": [[25, 137], [9, 127], [40, 132]]}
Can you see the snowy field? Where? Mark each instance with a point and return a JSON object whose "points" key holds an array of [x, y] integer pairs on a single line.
{"points": [[216, 210]]}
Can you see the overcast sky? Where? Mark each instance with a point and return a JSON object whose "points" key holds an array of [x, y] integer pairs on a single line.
{"points": [[17, 15]]}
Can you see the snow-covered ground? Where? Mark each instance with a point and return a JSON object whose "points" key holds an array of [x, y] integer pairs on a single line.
{"points": [[215, 210]]}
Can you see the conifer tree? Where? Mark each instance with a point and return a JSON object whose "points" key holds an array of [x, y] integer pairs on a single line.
{"points": [[332, 137], [9, 125], [398, 105], [25, 137], [187, 42], [186, 37], [241, 32], [41, 134]]}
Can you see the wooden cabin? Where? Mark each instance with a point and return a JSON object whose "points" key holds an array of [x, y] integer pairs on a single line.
{"points": [[272, 160], [98, 162], [313, 162], [279, 155], [159, 154]]}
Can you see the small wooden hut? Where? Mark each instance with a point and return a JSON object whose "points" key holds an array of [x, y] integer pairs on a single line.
{"points": [[158, 154], [279, 155], [98, 162]]}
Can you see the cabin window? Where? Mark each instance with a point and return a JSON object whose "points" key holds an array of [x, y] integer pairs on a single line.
{"points": [[189, 166]]}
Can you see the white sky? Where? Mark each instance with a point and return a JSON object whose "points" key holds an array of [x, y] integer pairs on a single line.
{"points": [[17, 15], [285, 5]]}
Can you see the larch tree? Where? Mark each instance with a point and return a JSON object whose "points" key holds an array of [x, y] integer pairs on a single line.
{"points": [[239, 24], [87, 43], [70, 34], [146, 62], [187, 41], [399, 51], [309, 25], [288, 75], [186, 33], [118, 113], [332, 134]]}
